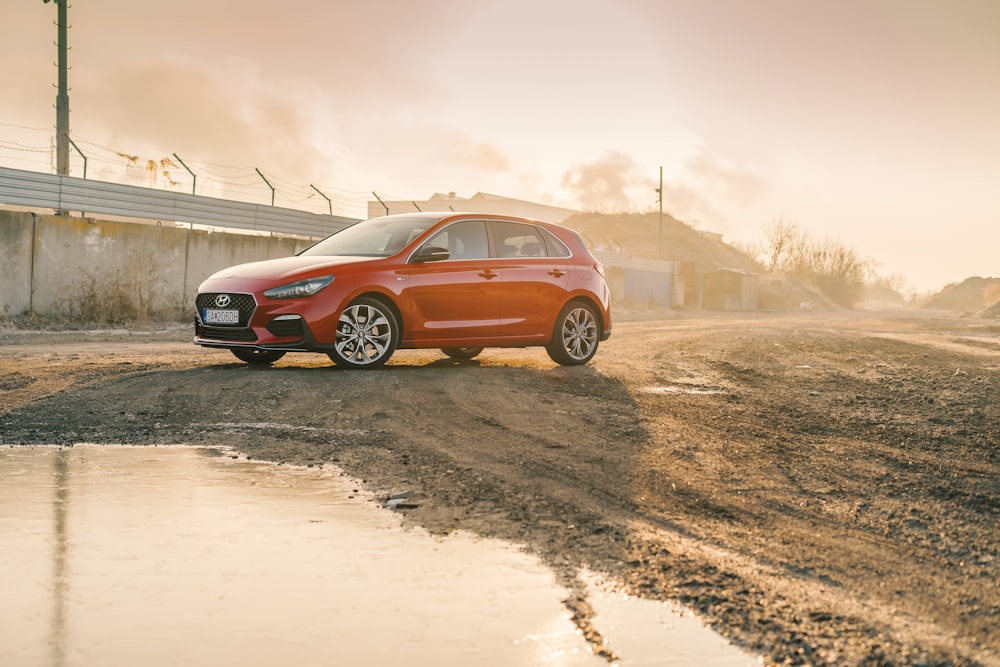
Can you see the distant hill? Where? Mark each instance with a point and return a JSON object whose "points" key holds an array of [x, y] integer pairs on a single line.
{"points": [[972, 295], [638, 235]]}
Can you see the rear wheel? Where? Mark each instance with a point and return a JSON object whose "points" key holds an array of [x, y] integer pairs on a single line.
{"points": [[462, 352], [367, 335], [576, 335], [255, 356]]}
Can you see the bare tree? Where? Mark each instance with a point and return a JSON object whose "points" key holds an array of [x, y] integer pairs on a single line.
{"points": [[831, 267], [780, 238]]}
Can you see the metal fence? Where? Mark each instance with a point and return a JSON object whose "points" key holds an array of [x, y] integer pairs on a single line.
{"points": [[67, 193]]}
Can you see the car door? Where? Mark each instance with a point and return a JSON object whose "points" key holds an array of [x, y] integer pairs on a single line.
{"points": [[534, 279], [457, 298]]}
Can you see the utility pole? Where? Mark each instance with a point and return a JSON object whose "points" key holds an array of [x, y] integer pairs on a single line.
{"points": [[659, 200], [62, 98]]}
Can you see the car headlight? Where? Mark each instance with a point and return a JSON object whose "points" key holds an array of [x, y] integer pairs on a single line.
{"points": [[299, 289]]}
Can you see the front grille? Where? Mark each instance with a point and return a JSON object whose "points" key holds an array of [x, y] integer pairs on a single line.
{"points": [[244, 303], [228, 333], [286, 326]]}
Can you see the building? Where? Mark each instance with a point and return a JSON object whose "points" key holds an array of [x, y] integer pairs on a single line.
{"points": [[480, 202], [729, 289]]}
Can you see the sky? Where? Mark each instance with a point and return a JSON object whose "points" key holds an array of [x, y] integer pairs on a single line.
{"points": [[871, 123]]}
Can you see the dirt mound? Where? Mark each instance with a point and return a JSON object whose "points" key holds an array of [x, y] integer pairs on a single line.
{"points": [[639, 235], [992, 312], [784, 293], [969, 296], [881, 297]]}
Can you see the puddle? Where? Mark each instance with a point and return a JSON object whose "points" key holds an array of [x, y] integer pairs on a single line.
{"points": [[176, 555], [648, 633]]}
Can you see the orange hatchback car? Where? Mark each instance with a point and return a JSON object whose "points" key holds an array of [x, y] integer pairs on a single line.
{"points": [[455, 281]]}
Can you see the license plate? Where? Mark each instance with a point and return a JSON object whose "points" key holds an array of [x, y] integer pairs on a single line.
{"points": [[215, 316]]}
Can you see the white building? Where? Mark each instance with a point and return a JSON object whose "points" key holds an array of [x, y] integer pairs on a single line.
{"points": [[480, 202]]}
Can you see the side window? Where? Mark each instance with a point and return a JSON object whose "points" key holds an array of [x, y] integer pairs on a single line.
{"points": [[555, 247], [514, 239], [464, 240]]}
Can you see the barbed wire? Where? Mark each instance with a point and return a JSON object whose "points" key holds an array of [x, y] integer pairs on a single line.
{"points": [[27, 127], [108, 163]]}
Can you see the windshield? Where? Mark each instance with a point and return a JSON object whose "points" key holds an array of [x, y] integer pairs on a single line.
{"points": [[377, 237]]}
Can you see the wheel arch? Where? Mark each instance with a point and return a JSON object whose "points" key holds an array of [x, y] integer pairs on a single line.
{"points": [[588, 300], [383, 298]]}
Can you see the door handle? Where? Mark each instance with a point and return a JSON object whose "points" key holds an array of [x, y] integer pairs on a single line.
{"points": [[557, 273], [488, 274]]}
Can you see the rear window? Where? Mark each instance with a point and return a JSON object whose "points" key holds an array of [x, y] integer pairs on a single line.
{"points": [[515, 239]]}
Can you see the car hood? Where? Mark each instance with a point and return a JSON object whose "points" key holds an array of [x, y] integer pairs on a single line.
{"points": [[286, 267]]}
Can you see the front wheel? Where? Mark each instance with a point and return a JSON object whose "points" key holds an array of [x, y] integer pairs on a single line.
{"points": [[257, 357], [367, 335], [576, 335], [462, 352]]}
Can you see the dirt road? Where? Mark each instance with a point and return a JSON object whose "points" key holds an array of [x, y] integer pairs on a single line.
{"points": [[821, 489]]}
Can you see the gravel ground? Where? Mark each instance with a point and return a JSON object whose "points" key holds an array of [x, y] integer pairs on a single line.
{"points": [[822, 489]]}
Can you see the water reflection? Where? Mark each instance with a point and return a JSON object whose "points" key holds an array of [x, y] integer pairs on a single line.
{"points": [[172, 555], [60, 501]]}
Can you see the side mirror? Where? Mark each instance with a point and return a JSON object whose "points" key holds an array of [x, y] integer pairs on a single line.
{"points": [[431, 253]]}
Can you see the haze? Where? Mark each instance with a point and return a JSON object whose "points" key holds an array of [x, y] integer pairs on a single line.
{"points": [[873, 122]]}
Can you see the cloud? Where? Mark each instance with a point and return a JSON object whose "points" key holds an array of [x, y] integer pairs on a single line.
{"points": [[612, 183], [715, 191], [224, 114], [478, 155], [724, 178]]}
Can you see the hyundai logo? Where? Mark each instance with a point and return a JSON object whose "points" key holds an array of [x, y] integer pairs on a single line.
{"points": [[223, 300]]}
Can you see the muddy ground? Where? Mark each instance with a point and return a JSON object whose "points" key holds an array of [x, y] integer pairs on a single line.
{"points": [[819, 488]]}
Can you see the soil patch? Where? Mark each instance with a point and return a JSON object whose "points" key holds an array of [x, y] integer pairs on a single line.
{"points": [[823, 489]]}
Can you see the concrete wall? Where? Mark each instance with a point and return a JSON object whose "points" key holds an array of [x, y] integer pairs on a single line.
{"points": [[60, 266], [16, 243]]}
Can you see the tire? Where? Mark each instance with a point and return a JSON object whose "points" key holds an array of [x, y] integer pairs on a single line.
{"points": [[257, 357], [367, 335], [462, 352], [576, 335]]}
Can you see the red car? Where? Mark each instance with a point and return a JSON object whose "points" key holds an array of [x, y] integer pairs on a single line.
{"points": [[455, 281]]}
